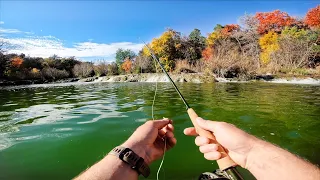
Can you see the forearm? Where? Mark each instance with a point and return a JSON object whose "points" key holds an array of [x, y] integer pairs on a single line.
{"points": [[110, 167], [266, 161], [144, 142]]}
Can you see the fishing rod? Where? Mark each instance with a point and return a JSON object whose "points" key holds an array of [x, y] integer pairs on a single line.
{"points": [[226, 164]]}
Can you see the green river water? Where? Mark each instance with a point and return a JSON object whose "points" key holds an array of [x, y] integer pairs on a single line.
{"points": [[57, 131]]}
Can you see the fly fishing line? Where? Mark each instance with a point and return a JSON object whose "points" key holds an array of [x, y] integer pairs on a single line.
{"points": [[164, 139]]}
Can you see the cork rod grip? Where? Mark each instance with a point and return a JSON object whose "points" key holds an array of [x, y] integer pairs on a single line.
{"points": [[225, 161]]}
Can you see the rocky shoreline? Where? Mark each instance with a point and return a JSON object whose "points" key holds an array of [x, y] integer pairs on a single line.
{"points": [[181, 77], [159, 77]]}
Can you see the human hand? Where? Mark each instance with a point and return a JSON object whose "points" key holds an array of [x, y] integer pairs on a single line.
{"points": [[237, 142], [147, 141]]}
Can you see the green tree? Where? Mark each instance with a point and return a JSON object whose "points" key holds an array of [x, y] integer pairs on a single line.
{"points": [[196, 44], [122, 54], [218, 28]]}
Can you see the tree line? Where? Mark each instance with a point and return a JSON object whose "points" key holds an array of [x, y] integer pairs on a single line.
{"points": [[267, 42]]}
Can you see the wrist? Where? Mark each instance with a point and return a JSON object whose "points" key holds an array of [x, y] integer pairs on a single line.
{"points": [[139, 150], [256, 147]]}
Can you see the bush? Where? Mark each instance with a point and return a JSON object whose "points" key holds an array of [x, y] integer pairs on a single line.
{"points": [[230, 61], [101, 69], [294, 52], [32, 62], [143, 64], [186, 67], [34, 73], [113, 69], [54, 74], [83, 70], [4, 62]]}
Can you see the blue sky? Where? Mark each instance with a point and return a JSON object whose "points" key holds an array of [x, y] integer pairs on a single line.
{"points": [[95, 29]]}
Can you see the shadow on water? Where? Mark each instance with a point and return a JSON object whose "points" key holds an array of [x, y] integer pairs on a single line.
{"points": [[55, 132]]}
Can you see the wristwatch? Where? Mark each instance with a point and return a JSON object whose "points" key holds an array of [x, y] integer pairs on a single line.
{"points": [[135, 161]]}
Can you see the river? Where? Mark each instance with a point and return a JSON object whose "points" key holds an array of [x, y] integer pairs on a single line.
{"points": [[57, 131]]}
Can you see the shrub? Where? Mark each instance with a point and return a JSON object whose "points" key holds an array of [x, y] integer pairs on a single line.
{"points": [[83, 70], [4, 62], [101, 69], [32, 62], [34, 74], [186, 67], [143, 64], [113, 69], [54, 74], [295, 50], [228, 61]]}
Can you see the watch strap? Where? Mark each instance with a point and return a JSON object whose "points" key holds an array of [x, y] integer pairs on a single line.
{"points": [[135, 161]]}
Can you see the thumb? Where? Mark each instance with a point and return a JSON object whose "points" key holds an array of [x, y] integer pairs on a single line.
{"points": [[206, 124], [161, 123]]}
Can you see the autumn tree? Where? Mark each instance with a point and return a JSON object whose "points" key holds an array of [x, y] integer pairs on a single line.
{"points": [[313, 17], [216, 34], [207, 53], [166, 47], [16, 62], [273, 21], [269, 44], [127, 65], [229, 29], [122, 54], [212, 37]]}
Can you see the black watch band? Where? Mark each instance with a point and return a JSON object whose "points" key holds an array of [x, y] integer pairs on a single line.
{"points": [[135, 161]]}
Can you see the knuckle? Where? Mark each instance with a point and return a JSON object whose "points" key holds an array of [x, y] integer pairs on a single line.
{"points": [[221, 124], [197, 142], [203, 149], [200, 149], [215, 146], [149, 123], [207, 156]]}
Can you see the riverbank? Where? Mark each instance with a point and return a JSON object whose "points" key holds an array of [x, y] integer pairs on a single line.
{"points": [[199, 78], [176, 77]]}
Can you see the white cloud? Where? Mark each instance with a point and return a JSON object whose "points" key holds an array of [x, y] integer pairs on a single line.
{"points": [[9, 31], [1, 22], [46, 46]]}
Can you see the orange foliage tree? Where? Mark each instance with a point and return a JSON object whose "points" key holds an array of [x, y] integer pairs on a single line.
{"points": [[273, 21], [229, 29], [207, 53], [127, 65], [16, 61], [313, 17]]}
